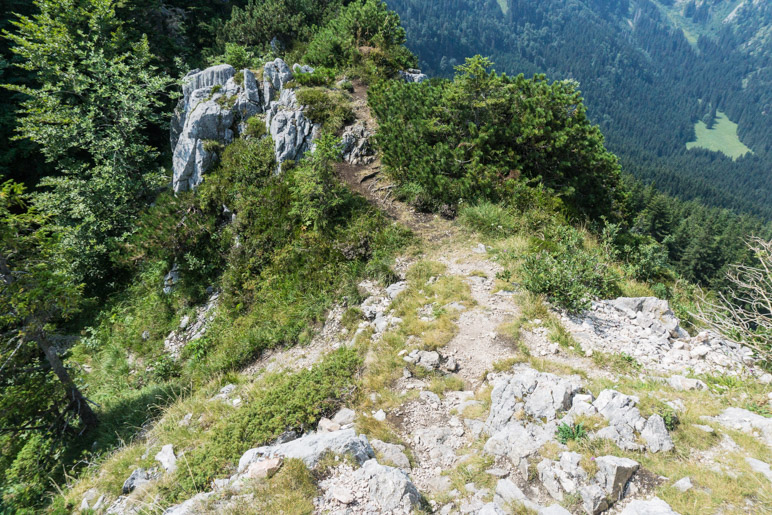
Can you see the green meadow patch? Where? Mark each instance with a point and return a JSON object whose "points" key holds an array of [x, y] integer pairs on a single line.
{"points": [[722, 137]]}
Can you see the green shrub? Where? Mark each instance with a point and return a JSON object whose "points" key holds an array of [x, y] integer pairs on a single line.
{"points": [[523, 130], [321, 76], [329, 108], [562, 269], [287, 401], [567, 432], [255, 127], [362, 25], [317, 195], [238, 56], [346, 85]]}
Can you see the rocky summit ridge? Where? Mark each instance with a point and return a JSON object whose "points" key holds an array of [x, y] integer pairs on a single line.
{"points": [[215, 107], [507, 428]]}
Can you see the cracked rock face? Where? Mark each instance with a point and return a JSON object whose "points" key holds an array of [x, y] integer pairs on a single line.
{"points": [[215, 106]]}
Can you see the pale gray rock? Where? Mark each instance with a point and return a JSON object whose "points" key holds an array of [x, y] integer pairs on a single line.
{"points": [[684, 484], [216, 107], [212, 76], [746, 421], [171, 279], [623, 416], [541, 395], [656, 436], [292, 134], [380, 415], [516, 441], [654, 506], [760, 467], [137, 478], [326, 425], [614, 473], [564, 476], [509, 494], [593, 499], [684, 383], [491, 509], [193, 506], [554, 509], [167, 459], [429, 360], [344, 416], [298, 68], [390, 488], [391, 454], [312, 447], [276, 74], [395, 289], [355, 145]]}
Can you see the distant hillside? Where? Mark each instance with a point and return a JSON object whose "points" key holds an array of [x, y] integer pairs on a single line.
{"points": [[649, 71]]}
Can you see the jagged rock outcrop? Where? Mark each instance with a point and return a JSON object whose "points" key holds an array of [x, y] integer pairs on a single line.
{"points": [[648, 330], [312, 447], [215, 106], [355, 144], [413, 75]]}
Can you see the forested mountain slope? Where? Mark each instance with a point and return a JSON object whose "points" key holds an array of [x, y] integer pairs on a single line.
{"points": [[646, 81]]}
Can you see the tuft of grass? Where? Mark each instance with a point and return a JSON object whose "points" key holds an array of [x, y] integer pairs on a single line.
{"points": [[290, 491], [622, 363], [489, 219], [449, 383], [473, 470]]}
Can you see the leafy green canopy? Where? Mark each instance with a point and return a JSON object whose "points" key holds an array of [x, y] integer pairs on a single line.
{"points": [[472, 138], [96, 99], [35, 293]]}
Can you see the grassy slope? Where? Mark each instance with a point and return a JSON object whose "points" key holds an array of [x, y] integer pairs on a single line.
{"points": [[721, 138]]}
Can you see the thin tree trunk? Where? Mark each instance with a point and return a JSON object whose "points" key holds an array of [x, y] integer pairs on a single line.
{"points": [[78, 403]]}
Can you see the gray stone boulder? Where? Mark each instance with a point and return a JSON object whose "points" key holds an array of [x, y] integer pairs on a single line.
{"points": [[392, 454], [390, 488], [623, 416], [679, 382], [656, 436], [747, 422], [137, 478], [758, 466], [614, 473], [654, 506], [564, 476], [593, 499], [517, 440], [276, 74], [509, 494], [541, 395], [312, 447], [193, 506], [167, 459], [355, 144], [292, 134]]}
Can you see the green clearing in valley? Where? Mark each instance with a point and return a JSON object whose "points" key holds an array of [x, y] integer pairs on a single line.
{"points": [[721, 138], [504, 6]]}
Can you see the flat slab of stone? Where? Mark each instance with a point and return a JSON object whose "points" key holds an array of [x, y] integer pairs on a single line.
{"points": [[655, 506]]}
